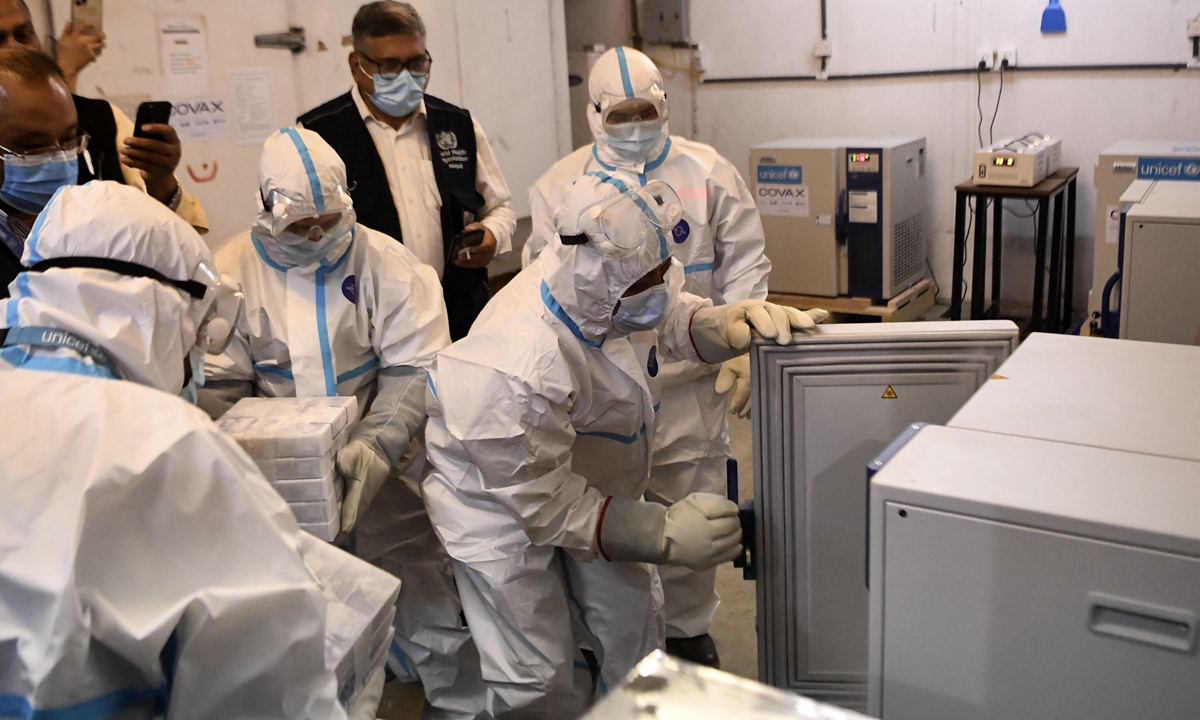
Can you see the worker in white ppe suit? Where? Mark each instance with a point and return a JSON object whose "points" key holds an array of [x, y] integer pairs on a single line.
{"points": [[335, 308], [540, 429], [719, 242], [146, 566]]}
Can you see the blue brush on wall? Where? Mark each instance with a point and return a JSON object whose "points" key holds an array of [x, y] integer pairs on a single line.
{"points": [[1054, 20]]}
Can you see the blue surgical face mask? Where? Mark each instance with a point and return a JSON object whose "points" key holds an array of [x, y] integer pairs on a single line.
{"points": [[643, 311], [637, 146], [399, 96], [30, 182]]}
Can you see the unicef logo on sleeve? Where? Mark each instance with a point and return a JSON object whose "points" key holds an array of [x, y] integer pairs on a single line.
{"points": [[652, 361], [350, 289], [1192, 170], [681, 232]]}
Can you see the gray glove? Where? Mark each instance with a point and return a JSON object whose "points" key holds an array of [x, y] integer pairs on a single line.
{"points": [[364, 471], [698, 532], [724, 331], [380, 438]]}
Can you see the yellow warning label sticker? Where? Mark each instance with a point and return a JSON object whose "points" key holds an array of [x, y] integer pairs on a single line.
{"points": [[889, 394], [999, 377]]}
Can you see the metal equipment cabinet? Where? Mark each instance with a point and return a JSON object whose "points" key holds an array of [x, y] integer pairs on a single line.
{"points": [[823, 408]]}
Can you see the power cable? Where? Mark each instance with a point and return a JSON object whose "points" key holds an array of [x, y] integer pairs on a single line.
{"points": [[979, 103], [992, 127]]}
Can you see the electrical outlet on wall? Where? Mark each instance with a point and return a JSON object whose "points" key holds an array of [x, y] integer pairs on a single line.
{"points": [[1007, 57], [985, 58]]}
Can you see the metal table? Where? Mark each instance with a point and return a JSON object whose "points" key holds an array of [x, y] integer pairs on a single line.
{"points": [[1060, 185]]}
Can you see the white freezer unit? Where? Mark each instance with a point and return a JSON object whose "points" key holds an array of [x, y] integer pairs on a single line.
{"points": [[1014, 577], [1158, 264], [1047, 561], [1117, 167], [1125, 395], [823, 408], [843, 216]]}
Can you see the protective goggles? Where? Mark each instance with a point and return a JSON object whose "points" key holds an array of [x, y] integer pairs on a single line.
{"points": [[222, 293], [335, 210], [623, 225], [617, 111]]}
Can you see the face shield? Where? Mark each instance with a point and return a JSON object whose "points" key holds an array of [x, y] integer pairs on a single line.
{"points": [[622, 225], [217, 299], [226, 302]]}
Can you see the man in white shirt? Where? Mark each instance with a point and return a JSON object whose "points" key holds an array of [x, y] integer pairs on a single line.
{"points": [[421, 170]]}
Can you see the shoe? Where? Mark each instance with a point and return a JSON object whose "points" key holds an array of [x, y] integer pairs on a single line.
{"points": [[700, 650]]}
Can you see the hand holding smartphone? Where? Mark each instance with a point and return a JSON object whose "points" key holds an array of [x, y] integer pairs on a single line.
{"points": [[466, 240], [90, 12], [151, 113]]}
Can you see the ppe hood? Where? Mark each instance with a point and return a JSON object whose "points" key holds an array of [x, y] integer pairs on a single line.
{"points": [[619, 75], [586, 278], [146, 326]]}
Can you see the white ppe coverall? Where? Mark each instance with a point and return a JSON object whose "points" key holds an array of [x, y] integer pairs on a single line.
{"points": [[536, 417], [364, 314], [720, 245], [146, 566]]}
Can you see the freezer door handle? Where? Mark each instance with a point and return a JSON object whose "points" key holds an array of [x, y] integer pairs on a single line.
{"points": [[1147, 623]]}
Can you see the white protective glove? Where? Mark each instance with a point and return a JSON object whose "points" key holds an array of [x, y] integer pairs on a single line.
{"points": [[735, 376], [699, 532], [724, 331], [364, 471]]}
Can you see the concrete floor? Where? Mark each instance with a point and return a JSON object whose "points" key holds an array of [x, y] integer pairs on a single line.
{"points": [[733, 627]]}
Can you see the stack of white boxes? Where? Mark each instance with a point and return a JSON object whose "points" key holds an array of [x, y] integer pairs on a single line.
{"points": [[358, 624], [294, 442]]}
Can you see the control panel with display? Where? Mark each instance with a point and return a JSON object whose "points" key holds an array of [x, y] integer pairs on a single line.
{"points": [[862, 162]]}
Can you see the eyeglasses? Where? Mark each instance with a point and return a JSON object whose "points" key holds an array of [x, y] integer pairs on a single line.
{"points": [[390, 68], [77, 145]]}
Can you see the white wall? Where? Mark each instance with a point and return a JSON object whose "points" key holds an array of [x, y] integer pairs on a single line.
{"points": [[1088, 110]]}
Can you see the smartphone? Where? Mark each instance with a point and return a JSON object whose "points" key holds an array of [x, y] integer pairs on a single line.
{"points": [[88, 11], [156, 111], [465, 239]]}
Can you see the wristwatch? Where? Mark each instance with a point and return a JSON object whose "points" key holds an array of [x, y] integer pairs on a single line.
{"points": [[176, 198]]}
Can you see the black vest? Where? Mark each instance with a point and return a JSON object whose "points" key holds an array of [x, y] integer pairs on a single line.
{"points": [[454, 155], [10, 268], [96, 119]]}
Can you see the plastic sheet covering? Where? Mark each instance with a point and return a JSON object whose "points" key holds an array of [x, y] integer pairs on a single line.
{"points": [[362, 604], [664, 688]]}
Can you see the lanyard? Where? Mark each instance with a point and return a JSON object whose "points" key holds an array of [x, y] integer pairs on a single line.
{"points": [[53, 337]]}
